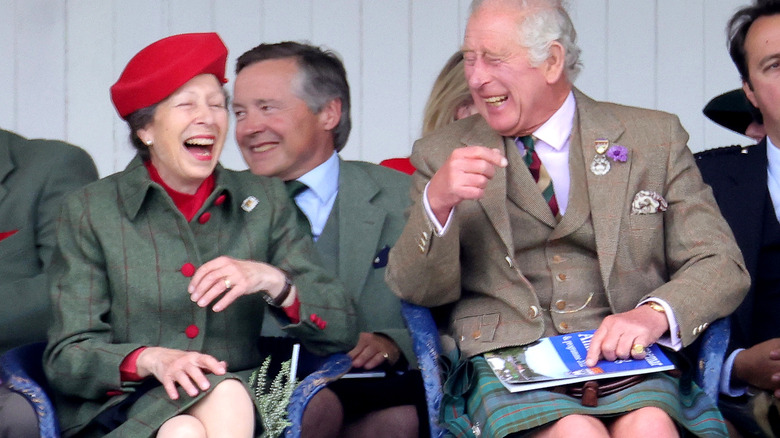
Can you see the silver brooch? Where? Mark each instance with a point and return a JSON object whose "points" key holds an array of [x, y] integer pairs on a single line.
{"points": [[249, 204]]}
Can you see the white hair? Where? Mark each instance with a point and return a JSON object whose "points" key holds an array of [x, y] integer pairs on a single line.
{"points": [[546, 21]]}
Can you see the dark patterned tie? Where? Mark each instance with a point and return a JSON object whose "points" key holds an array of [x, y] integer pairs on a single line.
{"points": [[542, 178], [295, 187]]}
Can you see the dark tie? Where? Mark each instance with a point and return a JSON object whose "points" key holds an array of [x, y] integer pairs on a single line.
{"points": [[295, 187], [542, 178]]}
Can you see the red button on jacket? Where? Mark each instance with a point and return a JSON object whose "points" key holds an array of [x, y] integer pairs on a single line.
{"points": [[192, 331], [188, 269], [204, 217]]}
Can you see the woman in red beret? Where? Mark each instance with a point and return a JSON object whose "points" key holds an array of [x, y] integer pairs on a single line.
{"points": [[162, 271]]}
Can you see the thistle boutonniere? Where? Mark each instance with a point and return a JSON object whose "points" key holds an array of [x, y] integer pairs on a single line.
{"points": [[271, 401], [617, 153]]}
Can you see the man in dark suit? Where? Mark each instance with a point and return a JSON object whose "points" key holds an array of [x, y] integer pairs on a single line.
{"points": [[292, 110], [34, 177], [746, 184], [552, 213]]}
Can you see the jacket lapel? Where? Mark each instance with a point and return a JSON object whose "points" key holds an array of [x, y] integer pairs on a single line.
{"points": [[360, 227], [606, 193]]}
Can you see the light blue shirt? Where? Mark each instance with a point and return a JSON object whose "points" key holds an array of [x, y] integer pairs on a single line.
{"points": [[317, 201]]}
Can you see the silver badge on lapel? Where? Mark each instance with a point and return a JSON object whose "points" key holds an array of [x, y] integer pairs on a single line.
{"points": [[249, 204], [600, 165]]}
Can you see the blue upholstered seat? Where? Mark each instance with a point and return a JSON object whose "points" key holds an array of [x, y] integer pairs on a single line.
{"points": [[711, 356], [21, 370]]}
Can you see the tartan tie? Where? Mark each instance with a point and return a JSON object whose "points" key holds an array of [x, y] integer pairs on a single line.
{"points": [[294, 188], [535, 166]]}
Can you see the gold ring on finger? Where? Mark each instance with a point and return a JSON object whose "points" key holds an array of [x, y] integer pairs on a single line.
{"points": [[228, 284], [637, 349]]}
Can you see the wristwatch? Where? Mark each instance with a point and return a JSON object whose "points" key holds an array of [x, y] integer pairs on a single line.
{"points": [[277, 302]]}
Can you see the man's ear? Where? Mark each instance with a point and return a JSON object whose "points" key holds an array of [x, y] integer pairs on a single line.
{"points": [[330, 114], [553, 66], [748, 89]]}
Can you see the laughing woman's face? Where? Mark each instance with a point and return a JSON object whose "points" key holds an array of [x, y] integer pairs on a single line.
{"points": [[188, 132]]}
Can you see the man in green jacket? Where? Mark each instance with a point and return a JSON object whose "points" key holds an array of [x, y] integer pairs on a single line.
{"points": [[34, 177], [292, 118]]}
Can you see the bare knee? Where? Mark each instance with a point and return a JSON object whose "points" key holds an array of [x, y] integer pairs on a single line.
{"points": [[227, 410], [183, 426], [230, 391], [574, 425], [644, 419]]}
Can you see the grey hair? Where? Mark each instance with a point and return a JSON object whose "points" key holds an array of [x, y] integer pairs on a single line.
{"points": [[546, 22]]}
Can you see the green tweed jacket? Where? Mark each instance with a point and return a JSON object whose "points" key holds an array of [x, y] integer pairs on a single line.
{"points": [[685, 255], [119, 281], [371, 203], [35, 175]]}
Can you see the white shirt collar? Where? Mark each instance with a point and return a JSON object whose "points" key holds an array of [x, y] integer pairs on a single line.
{"points": [[557, 129]]}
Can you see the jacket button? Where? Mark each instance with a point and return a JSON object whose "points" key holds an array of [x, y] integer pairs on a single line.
{"points": [[508, 261], [533, 312], [560, 304], [563, 326], [187, 269], [220, 200], [204, 217], [562, 277], [557, 259], [192, 331]]}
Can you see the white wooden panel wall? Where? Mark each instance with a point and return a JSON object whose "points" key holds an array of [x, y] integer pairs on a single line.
{"points": [[60, 58]]}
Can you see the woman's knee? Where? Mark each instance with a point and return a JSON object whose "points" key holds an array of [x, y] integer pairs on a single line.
{"points": [[232, 391], [183, 426]]}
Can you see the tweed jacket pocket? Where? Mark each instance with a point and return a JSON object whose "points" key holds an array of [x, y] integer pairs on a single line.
{"points": [[480, 328]]}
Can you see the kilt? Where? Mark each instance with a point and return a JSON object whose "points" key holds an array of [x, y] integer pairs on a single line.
{"points": [[483, 407]]}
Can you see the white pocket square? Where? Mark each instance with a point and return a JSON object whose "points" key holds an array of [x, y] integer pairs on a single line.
{"points": [[648, 202]]}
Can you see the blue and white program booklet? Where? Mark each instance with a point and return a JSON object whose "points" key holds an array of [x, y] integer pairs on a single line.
{"points": [[560, 360]]}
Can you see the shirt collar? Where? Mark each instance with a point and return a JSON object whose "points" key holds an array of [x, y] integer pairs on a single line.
{"points": [[323, 180], [773, 156], [557, 129]]}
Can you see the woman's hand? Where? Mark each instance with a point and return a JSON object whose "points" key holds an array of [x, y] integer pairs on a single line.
{"points": [[176, 367], [229, 279], [619, 333]]}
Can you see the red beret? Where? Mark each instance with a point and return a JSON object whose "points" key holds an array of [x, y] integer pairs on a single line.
{"points": [[158, 70]]}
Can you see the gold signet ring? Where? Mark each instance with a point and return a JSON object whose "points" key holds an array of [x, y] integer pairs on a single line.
{"points": [[637, 349]]}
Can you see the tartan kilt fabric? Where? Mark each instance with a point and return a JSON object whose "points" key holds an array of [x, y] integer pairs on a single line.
{"points": [[487, 409]]}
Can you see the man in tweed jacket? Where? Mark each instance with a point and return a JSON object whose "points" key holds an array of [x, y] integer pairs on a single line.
{"points": [[636, 224]]}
